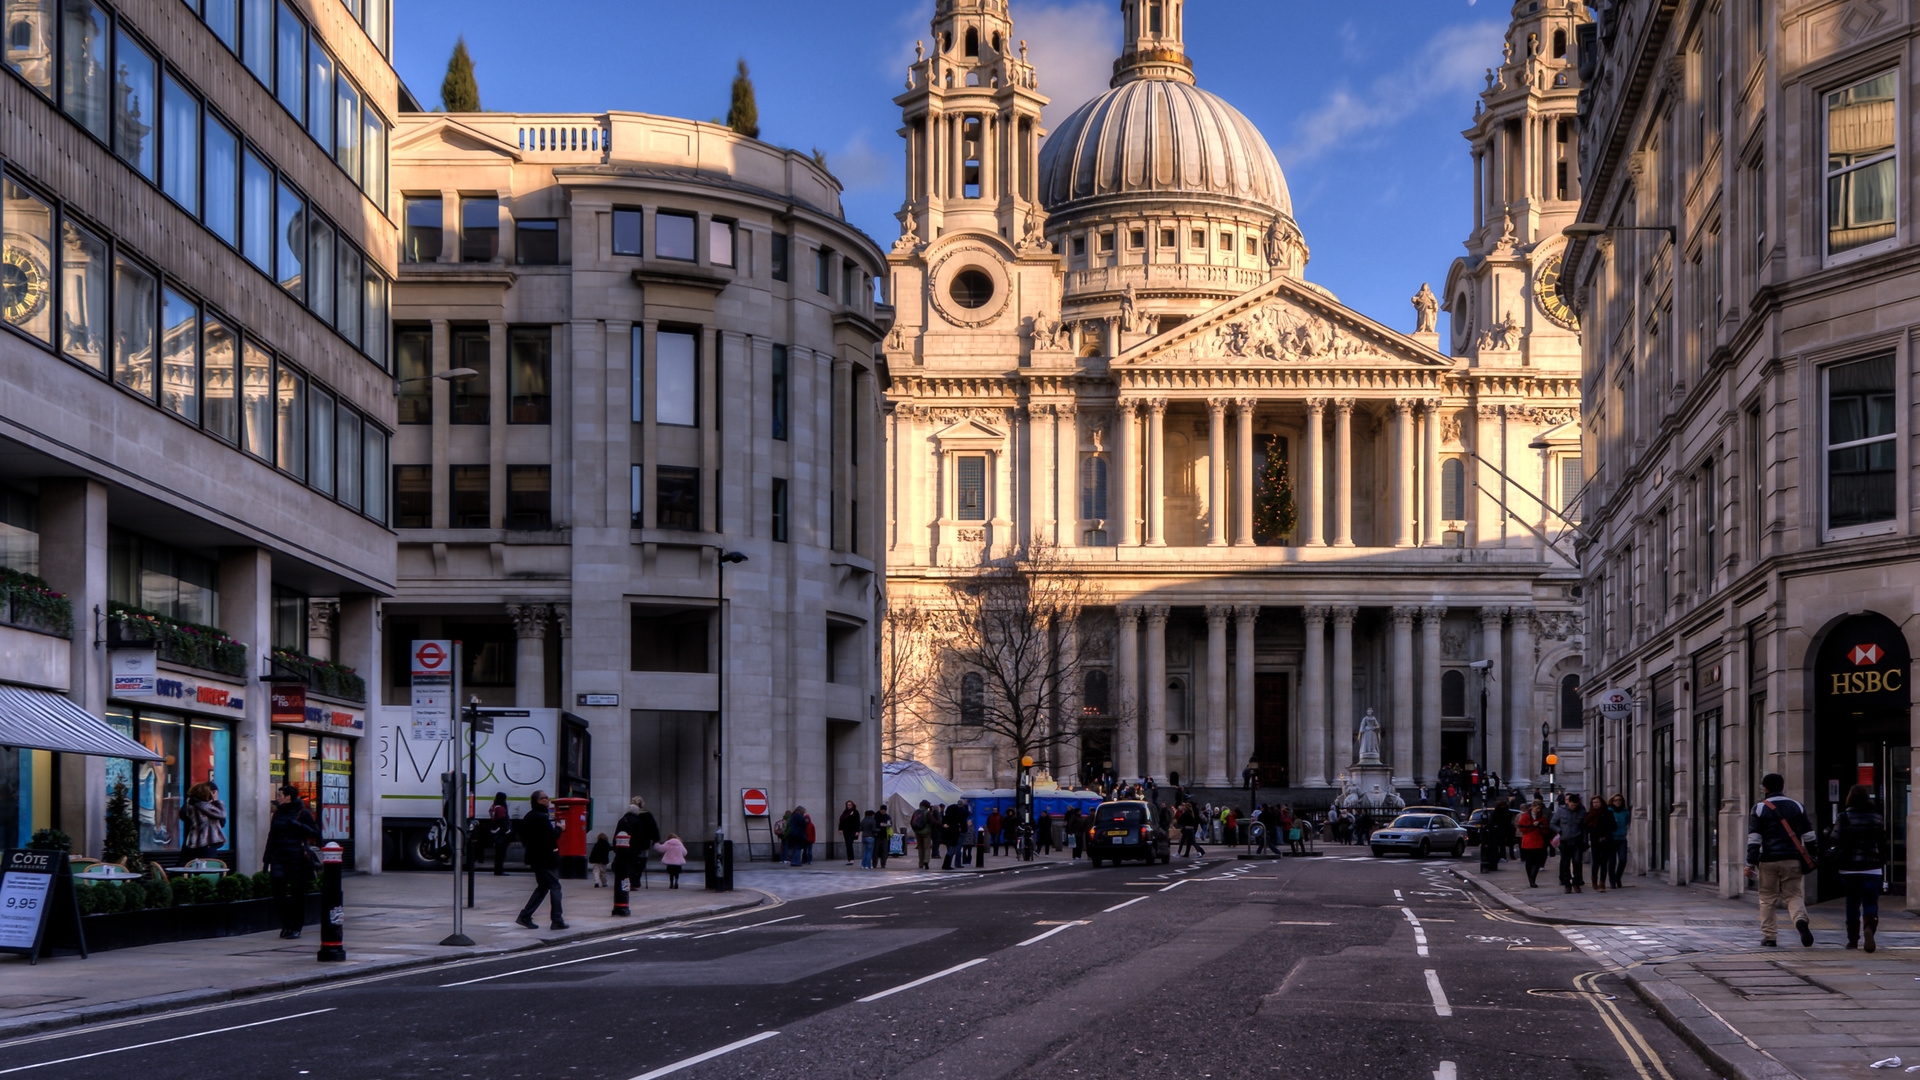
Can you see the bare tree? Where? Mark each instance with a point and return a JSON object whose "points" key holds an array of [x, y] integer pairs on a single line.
{"points": [[1013, 664], [909, 667]]}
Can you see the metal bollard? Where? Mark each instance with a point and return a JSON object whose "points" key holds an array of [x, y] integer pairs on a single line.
{"points": [[979, 849], [621, 844], [333, 915]]}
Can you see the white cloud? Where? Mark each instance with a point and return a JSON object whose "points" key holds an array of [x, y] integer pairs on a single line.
{"points": [[861, 168], [1448, 65], [1072, 46]]}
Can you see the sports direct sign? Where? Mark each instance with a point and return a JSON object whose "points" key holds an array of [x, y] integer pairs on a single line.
{"points": [[432, 690]]}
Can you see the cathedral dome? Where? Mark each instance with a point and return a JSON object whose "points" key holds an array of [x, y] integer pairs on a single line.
{"points": [[1160, 139]]}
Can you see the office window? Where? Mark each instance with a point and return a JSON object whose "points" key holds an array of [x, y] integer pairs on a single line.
{"points": [[373, 471], [423, 223], [291, 216], [676, 497], [670, 638], [348, 466], [290, 420], [180, 356], [320, 257], [1861, 442], [673, 236], [626, 232], [1571, 482], [1198, 238], [222, 168], [256, 207], [1453, 490], [469, 507], [347, 128], [180, 141], [320, 430], [1862, 185], [779, 510], [413, 496], [256, 37], [636, 476], [1167, 238], [134, 100], [780, 392], [84, 86], [134, 300], [676, 379], [778, 257], [319, 94], [530, 375], [290, 61], [28, 262], [472, 397], [970, 487], [536, 243], [823, 271], [720, 243], [373, 316], [223, 18], [348, 291], [30, 41], [220, 379], [1093, 487], [479, 228], [83, 300], [529, 497]]}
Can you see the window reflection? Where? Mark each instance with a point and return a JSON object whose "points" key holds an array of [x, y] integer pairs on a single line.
{"points": [[1861, 193]]}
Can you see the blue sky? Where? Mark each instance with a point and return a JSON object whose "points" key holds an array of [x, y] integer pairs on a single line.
{"points": [[1364, 107]]}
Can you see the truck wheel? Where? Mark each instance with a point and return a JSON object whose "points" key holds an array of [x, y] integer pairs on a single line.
{"points": [[419, 851]]}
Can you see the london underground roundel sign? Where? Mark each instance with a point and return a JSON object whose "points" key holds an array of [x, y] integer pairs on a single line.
{"points": [[1616, 703], [753, 801]]}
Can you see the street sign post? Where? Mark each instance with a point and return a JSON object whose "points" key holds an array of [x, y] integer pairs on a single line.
{"points": [[433, 690]]}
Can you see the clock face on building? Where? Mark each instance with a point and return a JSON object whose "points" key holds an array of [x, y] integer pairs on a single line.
{"points": [[23, 285], [1546, 289]]}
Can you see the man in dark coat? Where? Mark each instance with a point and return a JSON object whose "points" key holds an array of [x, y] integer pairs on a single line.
{"points": [[285, 858], [630, 862], [539, 838], [956, 823]]}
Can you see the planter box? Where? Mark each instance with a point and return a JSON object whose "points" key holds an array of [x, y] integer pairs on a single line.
{"points": [[187, 922]]}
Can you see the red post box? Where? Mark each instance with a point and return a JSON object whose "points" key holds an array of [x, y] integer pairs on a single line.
{"points": [[571, 814]]}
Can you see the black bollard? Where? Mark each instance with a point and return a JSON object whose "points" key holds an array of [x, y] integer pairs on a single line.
{"points": [[333, 917], [979, 848], [622, 843]]}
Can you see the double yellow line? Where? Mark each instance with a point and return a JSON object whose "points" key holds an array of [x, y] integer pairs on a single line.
{"points": [[1640, 1055]]}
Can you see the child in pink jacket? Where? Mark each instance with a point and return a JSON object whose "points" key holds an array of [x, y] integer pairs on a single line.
{"points": [[673, 855]]}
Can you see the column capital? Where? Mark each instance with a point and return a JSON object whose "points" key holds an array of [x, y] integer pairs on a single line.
{"points": [[1431, 405], [1432, 616], [1157, 405], [529, 620], [322, 617], [1247, 613], [1218, 406], [1344, 616], [1157, 614], [1218, 614], [1315, 404], [1126, 406], [1403, 408], [1344, 405], [1065, 410], [1403, 616], [1493, 614], [1246, 405], [1128, 614], [1317, 614]]}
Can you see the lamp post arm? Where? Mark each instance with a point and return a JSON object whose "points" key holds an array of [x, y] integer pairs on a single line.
{"points": [[1571, 524]]}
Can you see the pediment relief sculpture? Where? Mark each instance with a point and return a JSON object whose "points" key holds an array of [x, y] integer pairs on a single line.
{"points": [[1278, 333]]}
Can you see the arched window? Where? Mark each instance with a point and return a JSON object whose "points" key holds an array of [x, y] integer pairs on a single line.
{"points": [[1559, 43], [21, 36], [1453, 693], [973, 42], [1453, 490], [973, 699], [1570, 714], [996, 42], [1093, 696]]}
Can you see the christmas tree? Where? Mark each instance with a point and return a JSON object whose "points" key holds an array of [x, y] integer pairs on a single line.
{"points": [[1273, 512], [123, 836]]}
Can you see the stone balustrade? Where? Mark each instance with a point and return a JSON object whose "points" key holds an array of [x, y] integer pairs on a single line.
{"points": [[1106, 279]]}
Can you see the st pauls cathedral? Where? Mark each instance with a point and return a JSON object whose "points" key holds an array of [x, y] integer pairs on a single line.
{"points": [[1105, 338]]}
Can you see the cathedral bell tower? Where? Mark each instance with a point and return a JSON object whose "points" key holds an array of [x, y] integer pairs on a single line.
{"points": [[1155, 42], [972, 111]]}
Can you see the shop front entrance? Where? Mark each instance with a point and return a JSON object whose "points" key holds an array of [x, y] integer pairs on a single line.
{"points": [[1862, 732]]}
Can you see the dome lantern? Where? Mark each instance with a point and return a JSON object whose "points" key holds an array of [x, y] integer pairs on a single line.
{"points": [[1156, 48]]}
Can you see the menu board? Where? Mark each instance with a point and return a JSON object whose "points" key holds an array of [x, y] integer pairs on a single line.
{"points": [[36, 895]]}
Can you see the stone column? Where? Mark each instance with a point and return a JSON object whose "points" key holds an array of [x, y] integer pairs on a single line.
{"points": [[73, 560], [1216, 472], [1496, 730], [1126, 672], [1429, 765], [1403, 494], [1123, 482], [1403, 768], [563, 622], [355, 633], [1215, 772], [1430, 467], [1040, 521], [1066, 753], [1157, 692], [1243, 688], [1243, 474], [1343, 686], [1343, 465], [246, 615], [1312, 509], [1313, 701], [529, 655], [323, 617], [1156, 473], [1066, 449], [1521, 737]]}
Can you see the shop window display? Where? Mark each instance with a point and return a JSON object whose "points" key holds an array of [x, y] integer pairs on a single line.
{"points": [[192, 751]]}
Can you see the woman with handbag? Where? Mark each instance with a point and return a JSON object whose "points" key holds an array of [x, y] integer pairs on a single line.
{"points": [[290, 858], [1860, 848], [1535, 833], [207, 819]]}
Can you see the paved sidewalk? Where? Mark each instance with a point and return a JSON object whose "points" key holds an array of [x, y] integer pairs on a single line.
{"points": [[1755, 1013], [394, 921]]}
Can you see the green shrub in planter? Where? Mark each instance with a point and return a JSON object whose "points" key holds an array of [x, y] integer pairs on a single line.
{"points": [[113, 898], [156, 893], [51, 840], [200, 890], [233, 888], [177, 890], [87, 896], [263, 883]]}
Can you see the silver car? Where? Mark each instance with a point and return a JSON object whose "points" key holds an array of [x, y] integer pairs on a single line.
{"points": [[1421, 835]]}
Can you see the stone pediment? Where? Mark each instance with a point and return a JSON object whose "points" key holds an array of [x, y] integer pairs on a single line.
{"points": [[447, 136], [969, 435], [1283, 322]]}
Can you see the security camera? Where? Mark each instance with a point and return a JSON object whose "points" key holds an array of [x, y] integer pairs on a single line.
{"points": [[1481, 665]]}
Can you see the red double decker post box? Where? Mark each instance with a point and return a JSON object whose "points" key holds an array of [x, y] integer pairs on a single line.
{"points": [[572, 815]]}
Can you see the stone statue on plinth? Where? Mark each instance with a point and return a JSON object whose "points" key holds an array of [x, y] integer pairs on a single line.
{"points": [[1369, 739]]}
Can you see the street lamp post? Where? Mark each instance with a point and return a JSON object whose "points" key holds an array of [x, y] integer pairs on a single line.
{"points": [[720, 857], [451, 375]]}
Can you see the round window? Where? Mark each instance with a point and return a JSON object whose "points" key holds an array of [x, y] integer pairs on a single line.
{"points": [[971, 288]]}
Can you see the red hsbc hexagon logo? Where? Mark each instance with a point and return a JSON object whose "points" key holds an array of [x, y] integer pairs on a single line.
{"points": [[1863, 655]]}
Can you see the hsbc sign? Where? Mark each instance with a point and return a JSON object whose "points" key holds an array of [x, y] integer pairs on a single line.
{"points": [[1862, 666]]}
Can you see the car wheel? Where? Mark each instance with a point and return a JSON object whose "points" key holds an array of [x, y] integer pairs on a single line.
{"points": [[1459, 849], [1379, 853], [1166, 857], [1096, 861], [1422, 851]]}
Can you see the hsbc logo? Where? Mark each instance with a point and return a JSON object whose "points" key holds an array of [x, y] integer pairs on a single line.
{"points": [[1864, 655]]}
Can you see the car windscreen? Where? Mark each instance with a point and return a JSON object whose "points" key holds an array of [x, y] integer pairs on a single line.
{"points": [[1120, 815], [1411, 821]]}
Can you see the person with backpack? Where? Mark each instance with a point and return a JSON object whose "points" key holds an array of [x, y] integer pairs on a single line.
{"points": [[951, 827], [1778, 839], [921, 823], [1860, 848]]}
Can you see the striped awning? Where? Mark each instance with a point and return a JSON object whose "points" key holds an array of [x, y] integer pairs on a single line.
{"points": [[41, 720]]}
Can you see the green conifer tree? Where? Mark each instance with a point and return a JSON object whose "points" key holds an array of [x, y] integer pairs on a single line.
{"points": [[1274, 515], [743, 116], [123, 836], [458, 91]]}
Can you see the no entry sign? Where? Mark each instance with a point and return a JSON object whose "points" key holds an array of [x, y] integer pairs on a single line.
{"points": [[753, 801]]}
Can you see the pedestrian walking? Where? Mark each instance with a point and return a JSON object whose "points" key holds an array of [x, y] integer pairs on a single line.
{"points": [[953, 824], [630, 862], [500, 825], [1778, 837], [1622, 818], [598, 858], [1074, 828], [1536, 831], [290, 858], [206, 816], [539, 835], [1859, 847], [882, 836], [1571, 837], [922, 825], [673, 856], [798, 827], [1188, 828], [994, 824], [1044, 836], [850, 830], [1598, 825], [866, 841]]}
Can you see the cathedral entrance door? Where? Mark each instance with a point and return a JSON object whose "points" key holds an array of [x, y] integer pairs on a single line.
{"points": [[1271, 693]]}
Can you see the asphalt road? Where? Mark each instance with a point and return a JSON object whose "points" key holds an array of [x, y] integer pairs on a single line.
{"points": [[1318, 967]]}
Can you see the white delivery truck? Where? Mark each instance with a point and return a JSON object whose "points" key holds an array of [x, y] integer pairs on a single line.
{"points": [[528, 750]]}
